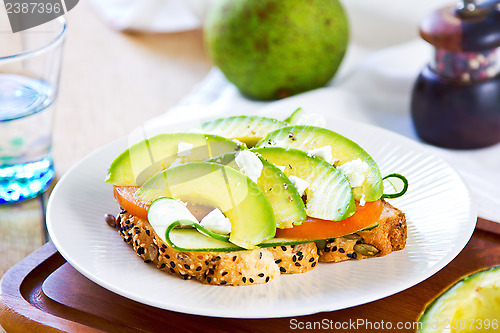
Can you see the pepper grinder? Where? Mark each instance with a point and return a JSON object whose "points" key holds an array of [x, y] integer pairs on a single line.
{"points": [[456, 98]]}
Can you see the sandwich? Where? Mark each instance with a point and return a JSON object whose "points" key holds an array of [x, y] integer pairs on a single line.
{"points": [[242, 200]]}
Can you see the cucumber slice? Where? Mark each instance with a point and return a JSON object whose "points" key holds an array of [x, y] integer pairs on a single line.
{"points": [[288, 207], [343, 149], [247, 129], [329, 195], [191, 240], [164, 211]]}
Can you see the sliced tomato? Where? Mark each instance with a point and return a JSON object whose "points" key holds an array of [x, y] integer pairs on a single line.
{"points": [[313, 228], [124, 195]]}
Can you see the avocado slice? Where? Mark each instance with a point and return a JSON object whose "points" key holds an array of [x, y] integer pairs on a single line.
{"points": [[247, 129], [142, 160], [329, 195], [301, 117], [289, 209], [218, 186], [344, 150], [470, 305]]}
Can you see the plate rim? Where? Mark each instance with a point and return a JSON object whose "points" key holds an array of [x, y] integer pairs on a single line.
{"points": [[408, 283]]}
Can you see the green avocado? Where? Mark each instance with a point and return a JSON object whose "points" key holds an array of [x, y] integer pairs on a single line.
{"points": [[329, 195], [247, 129], [470, 305], [142, 160], [210, 184], [289, 209], [306, 138], [272, 49]]}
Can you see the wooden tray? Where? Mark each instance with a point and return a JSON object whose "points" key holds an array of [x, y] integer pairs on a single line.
{"points": [[43, 293]]}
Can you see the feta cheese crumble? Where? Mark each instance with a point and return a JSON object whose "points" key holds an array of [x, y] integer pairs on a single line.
{"points": [[184, 149], [250, 164], [354, 171], [216, 222], [300, 184], [177, 162], [323, 152], [362, 200]]}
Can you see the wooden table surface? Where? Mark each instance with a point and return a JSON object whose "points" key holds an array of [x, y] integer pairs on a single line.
{"points": [[110, 83]]}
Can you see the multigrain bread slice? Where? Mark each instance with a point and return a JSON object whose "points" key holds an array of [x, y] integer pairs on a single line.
{"points": [[264, 264], [389, 236]]}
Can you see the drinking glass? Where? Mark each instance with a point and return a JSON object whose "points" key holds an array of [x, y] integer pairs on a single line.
{"points": [[30, 63]]}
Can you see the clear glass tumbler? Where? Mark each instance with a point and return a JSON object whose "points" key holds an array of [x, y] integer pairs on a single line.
{"points": [[30, 63]]}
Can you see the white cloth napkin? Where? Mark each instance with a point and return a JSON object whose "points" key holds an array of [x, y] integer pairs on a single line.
{"points": [[150, 15]]}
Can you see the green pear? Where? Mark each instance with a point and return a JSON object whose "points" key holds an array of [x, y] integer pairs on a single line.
{"points": [[273, 49]]}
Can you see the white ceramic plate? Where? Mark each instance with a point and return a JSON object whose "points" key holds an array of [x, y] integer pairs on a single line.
{"points": [[439, 209]]}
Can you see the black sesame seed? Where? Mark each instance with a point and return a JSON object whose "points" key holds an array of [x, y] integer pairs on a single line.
{"points": [[278, 261], [163, 246], [172, 270], [341, 250], [198, 268], [261, 275], [250, 280], [207, 262], [234, 258], [318, 252], [260, 255], [172, 264], [299, 253], [313, 264], [209, 279], [244, 279], [282, 269], [354, 255], [334, 249], [311, 260], [140, 251], [162, 266], [216, 258], [147, 261], [223, 282], [267, 279], [294, 258], [283, 248], [162, 250], [224, 273], [167, 256], [301, 257], [211, 271], [186, 266], [297, 264], [148, 232]]}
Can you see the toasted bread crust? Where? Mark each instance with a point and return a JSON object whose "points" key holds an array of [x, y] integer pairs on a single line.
{"points": [[259, 265], [389, 236]]}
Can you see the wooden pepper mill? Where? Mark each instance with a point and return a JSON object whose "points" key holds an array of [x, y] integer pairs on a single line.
{"points": [[456, 98]]}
